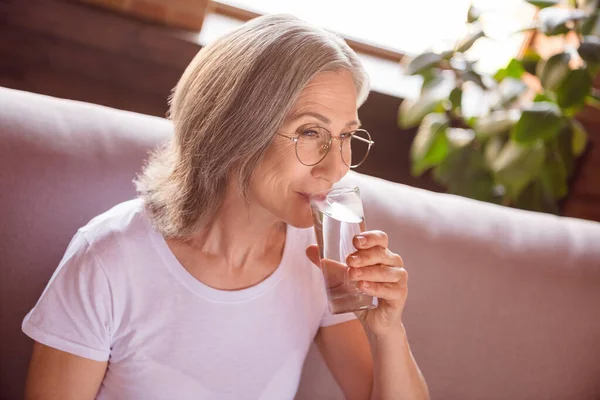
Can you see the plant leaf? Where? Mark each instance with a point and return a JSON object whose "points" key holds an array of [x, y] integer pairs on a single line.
{"points": [[543, 3], [495, 123], [517, 165], [470, 40], [464, 173], [473, 14], [474, 102], [509, 90], [554, 173], [430, 145], [412, 112], [540, 120], [553, 21], [514, 69], [536, 198], [589, 50], [432, 79], [456, 98], [423, 62], [530, 61], [589, 26], [580, 138], [472, 76], [574, 88], [593, 99], [554, 70], [563, 143], [459, 137], [436, 88], [542, 97], [492, 149]]}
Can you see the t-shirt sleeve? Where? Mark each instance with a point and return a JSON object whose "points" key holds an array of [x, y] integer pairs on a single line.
{"points": [[74, 313], [333, 319]]}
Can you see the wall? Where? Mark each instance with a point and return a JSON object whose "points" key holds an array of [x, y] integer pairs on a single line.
{"points": [[188, 14], [77, 51]]}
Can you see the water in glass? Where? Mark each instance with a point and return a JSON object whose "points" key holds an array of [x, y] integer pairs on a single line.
{"points": [[338, 217]]}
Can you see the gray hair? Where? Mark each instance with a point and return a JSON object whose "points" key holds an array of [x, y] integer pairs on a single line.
{"points": [[226, 109]]}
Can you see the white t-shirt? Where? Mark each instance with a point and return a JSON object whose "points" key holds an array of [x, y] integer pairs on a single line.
{"points": [[119, 294]]}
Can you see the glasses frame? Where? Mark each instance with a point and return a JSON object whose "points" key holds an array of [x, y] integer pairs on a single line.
{"points": [[350, 135]]}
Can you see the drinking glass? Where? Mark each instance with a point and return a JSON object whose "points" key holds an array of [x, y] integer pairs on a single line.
{"points": [[338, 217]]}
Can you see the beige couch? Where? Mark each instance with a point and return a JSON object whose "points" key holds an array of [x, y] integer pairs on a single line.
{"points": [[503, 304]]}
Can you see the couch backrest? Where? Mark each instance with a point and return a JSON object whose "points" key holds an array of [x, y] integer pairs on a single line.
{"points": [[503, 303], [61, 163]]}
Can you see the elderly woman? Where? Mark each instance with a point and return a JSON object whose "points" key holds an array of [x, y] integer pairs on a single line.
{"points": [[202, 287]]}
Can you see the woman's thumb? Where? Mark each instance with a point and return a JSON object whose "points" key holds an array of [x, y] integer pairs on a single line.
{"points": [[312, 252]]}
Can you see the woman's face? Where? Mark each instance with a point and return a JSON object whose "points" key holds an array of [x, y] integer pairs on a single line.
{"points": [[282, 182]]}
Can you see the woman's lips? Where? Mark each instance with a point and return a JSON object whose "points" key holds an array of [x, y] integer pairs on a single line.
{"points": [[318, 196]]}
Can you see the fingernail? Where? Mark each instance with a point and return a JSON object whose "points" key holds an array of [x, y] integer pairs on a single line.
{"points": [[357, 272], [361, 240], [355, 259]]}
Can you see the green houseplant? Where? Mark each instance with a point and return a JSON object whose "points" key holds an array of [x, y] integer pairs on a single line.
{"points": [[521, 147]]}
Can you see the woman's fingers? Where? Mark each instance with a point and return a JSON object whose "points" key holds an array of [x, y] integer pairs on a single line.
{"points": [[384, 290], [367, 239], [373, 256], [376, 266], [312, 252], [378, 273], [334, 271]]}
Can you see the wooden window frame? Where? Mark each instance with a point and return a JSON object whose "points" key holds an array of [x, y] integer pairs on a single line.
{"points": [[359, 46]]}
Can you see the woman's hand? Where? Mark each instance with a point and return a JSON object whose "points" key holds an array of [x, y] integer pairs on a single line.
{"points": [[379, 273]]}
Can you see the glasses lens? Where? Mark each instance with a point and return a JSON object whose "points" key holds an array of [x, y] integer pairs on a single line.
{"points": [[356, 148], [312, 145]]}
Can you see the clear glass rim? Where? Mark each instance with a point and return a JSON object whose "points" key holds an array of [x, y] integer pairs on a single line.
{"points": [[334, 192]]}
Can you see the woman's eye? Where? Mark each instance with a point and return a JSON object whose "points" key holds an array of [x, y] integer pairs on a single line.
{"points": [[310, 133]]}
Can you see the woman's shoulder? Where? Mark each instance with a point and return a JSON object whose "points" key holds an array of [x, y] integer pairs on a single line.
{"points": [[124, 222]]}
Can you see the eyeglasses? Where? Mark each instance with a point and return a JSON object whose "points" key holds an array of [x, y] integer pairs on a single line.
{"points": [[313, 144]]}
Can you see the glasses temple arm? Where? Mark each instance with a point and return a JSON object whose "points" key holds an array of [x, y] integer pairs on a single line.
{"points": [[370, 142]]}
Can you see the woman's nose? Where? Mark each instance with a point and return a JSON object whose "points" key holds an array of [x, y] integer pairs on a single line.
{"points": [[332, 167]]}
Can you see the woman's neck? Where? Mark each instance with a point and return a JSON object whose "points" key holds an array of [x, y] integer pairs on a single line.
{"points": [[232, 253]]}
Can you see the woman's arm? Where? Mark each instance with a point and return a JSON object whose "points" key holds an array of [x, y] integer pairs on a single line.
{"points": [[57, 375], [345, 350], [380, 273], [396, 374], [370, 367]]}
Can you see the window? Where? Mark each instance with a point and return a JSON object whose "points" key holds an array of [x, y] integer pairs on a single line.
{"points": [[409, 27]]}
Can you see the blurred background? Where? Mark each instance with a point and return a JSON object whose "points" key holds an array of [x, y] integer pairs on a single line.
{"points": [[495, 100]]}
